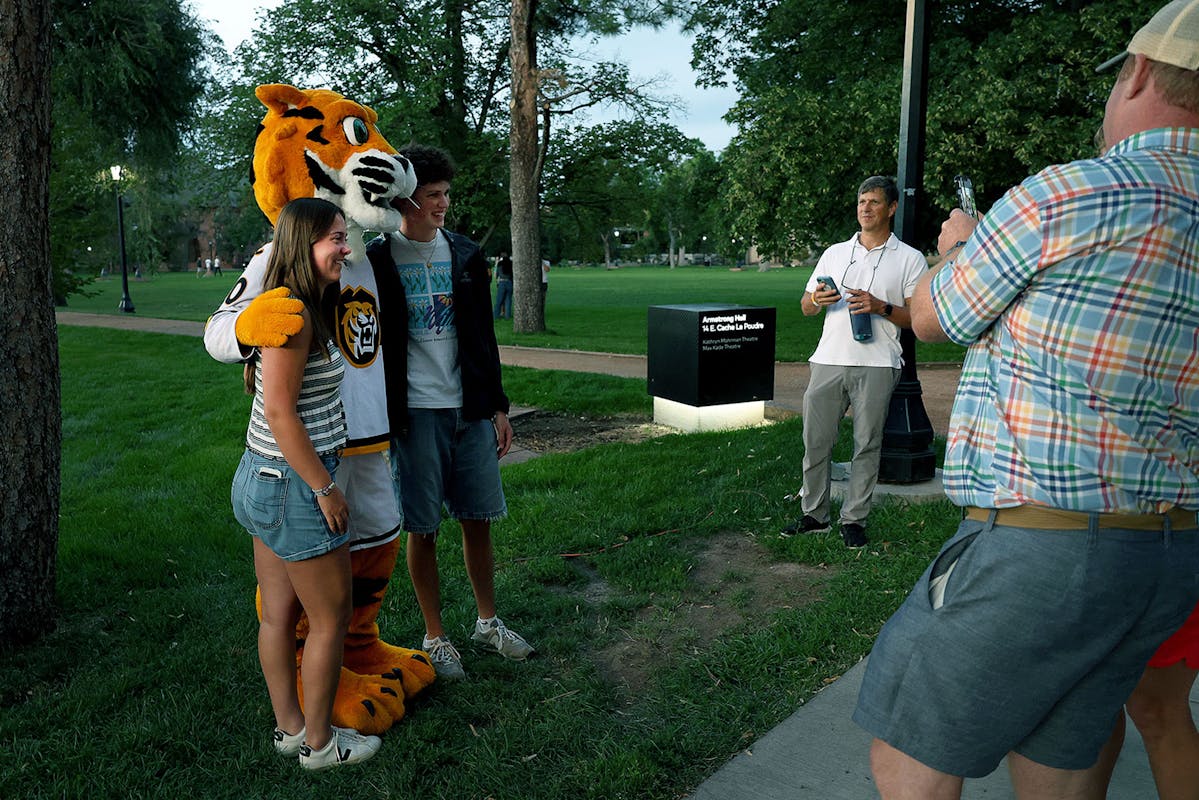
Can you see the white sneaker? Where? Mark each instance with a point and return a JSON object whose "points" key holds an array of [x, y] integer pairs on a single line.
{"points": [[444, 656], [346, 746], [496, 636], [287, 744]]}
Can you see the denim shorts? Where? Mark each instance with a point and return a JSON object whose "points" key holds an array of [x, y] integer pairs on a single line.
{"points": [[1033, 643], [273, 503], [446, 460]]}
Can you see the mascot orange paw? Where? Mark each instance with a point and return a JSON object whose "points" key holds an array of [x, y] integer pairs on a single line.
{"points": [[270, 319], [380, 658], [369, 704]]}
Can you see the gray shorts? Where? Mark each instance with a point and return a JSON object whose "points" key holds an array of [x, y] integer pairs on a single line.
{"points": [[1041, 637], [446, 460], [370, 492]]}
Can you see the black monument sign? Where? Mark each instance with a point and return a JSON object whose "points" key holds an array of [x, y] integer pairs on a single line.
{"points": [[711, 354]]}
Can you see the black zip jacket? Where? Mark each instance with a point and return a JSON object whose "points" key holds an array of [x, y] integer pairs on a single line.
{"points": [[478, 354]]}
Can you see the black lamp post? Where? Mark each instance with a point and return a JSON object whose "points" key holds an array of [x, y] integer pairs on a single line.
{"points": [[126, 303], [907, 434]]}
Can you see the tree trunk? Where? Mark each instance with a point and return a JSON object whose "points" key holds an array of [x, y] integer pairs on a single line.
{"points": [[30, 448], [607, 250], [523, 182]]}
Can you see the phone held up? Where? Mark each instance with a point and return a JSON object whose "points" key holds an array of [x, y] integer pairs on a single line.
{"points": [[863, 329], [965, 190]]}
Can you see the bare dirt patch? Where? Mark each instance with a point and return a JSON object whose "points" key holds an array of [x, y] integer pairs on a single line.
{"points": [[735, 584], [550, 432]]}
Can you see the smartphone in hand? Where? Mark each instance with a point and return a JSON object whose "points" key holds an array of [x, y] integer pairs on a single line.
{"points": [[965, 190], [828, 283]]}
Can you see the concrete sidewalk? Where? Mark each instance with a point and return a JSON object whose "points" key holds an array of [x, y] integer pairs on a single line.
{"points": [[937, 382], [817, 753]]}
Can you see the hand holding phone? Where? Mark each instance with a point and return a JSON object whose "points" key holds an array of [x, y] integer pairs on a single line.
{"points": [[965, 190], [825, 285]]}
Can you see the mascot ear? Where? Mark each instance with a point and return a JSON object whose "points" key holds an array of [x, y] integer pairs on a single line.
{"points": [[279, 97]]}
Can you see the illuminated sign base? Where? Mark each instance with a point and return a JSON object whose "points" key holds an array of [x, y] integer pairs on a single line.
{"points": [[694, 419]]}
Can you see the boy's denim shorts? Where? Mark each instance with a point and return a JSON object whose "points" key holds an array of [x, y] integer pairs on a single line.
{"points": [[273, 503], [1035, 643], [447, 460]]}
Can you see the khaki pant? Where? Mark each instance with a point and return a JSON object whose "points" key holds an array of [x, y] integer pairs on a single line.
{"points": [[831, 391]]}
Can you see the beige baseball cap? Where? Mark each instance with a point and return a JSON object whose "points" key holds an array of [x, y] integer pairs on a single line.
{"points": [[1171, 37]]}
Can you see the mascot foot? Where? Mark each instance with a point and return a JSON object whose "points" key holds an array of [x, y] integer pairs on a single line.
{"points": [[412, 667], [370, 704]]}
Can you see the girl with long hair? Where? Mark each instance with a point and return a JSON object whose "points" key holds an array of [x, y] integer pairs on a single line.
{"points": [[284, 493]]}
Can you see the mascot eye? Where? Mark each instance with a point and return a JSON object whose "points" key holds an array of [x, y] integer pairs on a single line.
{"points": [[356, 131]]}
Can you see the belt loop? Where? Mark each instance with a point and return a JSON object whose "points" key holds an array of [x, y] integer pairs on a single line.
{"points": [[994, 513], [1167, 532], [1093, 527]]}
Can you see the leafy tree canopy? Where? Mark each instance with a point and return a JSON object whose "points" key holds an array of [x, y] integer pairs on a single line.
{"points": [[1011, 88], [125, 80]]}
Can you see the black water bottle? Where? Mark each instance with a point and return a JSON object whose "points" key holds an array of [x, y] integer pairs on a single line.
{"points": [[863, 330]]}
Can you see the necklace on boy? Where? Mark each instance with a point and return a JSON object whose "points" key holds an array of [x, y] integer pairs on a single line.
{"points": [[428, 259]]}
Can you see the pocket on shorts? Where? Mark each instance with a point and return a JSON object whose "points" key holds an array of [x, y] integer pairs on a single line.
{"points": [[941, 572], [266, 493]]}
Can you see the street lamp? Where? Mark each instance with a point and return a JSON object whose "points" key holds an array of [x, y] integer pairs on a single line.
{"points": [[126, 303]]}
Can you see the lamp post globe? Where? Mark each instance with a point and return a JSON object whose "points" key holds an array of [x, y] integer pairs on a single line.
{"points": [[126, 303]]}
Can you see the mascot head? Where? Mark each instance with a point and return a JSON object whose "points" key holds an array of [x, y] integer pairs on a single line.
{"points": [[316, 143]]}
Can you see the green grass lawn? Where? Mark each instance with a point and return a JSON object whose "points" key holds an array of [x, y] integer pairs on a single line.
{"points": [[588, 308], [636, 569], [167, 295]]}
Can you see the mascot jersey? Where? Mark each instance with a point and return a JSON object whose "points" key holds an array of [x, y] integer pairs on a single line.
{"points": [[317, 143], [364, 390]]}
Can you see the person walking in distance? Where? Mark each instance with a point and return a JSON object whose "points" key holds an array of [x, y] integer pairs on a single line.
{"points": [[503, 287]]}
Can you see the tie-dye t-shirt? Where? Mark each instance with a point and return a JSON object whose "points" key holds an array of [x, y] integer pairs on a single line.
{"points": [[424, 269]]}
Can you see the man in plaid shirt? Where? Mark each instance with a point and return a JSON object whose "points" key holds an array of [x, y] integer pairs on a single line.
{"points": [[1073, 450]]}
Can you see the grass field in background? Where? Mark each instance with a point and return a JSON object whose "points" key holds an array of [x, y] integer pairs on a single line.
{"points": [[588, 308], [150, 687]]}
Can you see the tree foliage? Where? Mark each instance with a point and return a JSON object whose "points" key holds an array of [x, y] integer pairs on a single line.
{"points": [[607, 177], [1012, 88], [441, 73], [435, 72], [126, 77], [687, 206]]}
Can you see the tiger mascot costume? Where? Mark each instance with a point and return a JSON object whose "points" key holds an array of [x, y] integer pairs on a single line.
{"points": [[316, 143]]}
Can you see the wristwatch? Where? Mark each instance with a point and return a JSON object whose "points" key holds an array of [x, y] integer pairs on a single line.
{"points": [[887, 309]]}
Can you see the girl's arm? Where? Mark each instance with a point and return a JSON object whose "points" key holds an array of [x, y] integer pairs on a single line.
{"points": [[282, 375]]}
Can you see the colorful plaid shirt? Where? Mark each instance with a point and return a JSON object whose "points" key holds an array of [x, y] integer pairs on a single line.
{"points": [[1078, 295]]}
